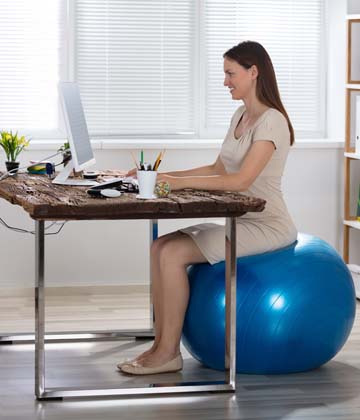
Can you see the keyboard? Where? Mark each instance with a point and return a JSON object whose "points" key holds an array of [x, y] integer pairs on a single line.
{"points": [[127, 184], [116, 182], [78, 182]]}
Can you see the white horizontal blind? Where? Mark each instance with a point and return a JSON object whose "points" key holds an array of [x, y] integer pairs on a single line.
{"points": [[31, 47], [292, 33], [134, 65]]}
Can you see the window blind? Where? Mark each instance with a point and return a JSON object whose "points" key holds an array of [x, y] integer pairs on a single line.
{"points": [[134, 65], [152, 67], [32, 44], [292, 33]]}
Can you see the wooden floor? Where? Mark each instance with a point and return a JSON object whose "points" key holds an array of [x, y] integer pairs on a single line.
{"points": [[331, 392]]}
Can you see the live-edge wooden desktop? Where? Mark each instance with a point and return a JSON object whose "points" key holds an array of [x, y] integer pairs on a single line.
{"points": [[44, 201]]}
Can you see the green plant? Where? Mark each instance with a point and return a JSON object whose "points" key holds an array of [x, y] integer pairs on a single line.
{"points": [[13, 144], [64, 147]]}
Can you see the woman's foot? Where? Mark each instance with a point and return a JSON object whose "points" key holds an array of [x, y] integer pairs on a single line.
{"points": [[138, 358], [154, 363]]}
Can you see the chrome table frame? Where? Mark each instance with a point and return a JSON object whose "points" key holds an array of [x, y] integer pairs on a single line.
{"points": [[88, 336], [43, 393]]}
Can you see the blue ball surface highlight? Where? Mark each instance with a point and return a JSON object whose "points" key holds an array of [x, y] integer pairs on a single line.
{"points": [[295, 309]]}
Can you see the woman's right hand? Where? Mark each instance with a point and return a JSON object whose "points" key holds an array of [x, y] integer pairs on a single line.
{"points": [[132, 172]]}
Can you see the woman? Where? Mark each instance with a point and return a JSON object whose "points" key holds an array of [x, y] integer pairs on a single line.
{"points": [[251, 160]]}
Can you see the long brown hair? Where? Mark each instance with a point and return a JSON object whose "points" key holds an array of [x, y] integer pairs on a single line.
{"points": [[249, 53]]}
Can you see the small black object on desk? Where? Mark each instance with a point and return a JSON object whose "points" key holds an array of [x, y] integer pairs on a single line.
{"points": [[117, 184]]}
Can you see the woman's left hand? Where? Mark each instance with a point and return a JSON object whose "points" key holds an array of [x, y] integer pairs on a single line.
{"points": [[174, 181]]}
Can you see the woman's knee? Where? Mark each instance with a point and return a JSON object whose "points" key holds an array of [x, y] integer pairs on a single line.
{"points": [[155, 247], [158, 244], [179, 251]]}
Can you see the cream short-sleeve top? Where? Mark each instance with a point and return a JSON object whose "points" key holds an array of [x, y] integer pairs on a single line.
{"points": [[260, 232], [273, 126]]}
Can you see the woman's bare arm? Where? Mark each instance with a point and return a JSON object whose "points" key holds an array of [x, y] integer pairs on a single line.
{"points": [[255, 161], [217, 168]]}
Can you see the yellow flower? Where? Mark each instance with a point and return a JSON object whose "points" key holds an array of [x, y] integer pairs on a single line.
{"points": [[13, 144]]}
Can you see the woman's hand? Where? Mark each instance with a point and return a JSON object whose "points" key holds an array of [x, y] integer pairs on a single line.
{"points": [[132, 172], [175, 182]]}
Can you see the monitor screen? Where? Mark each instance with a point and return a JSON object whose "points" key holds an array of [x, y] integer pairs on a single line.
{"points": [[76, 128]]}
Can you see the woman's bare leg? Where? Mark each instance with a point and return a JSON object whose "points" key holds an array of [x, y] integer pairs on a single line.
{"points": [[172, 296], [156, 250]]}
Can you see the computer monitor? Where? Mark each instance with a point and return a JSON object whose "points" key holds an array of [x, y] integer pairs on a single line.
{"points": [[82, 155]]}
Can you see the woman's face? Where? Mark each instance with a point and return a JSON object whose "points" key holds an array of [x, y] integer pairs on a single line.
{"points": [[238, 79]]}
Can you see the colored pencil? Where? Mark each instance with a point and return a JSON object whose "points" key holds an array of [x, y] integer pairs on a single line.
{"points": [[137, 166]]}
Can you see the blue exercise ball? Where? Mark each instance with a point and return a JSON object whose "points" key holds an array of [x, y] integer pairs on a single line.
{"points": [[295, 309]]}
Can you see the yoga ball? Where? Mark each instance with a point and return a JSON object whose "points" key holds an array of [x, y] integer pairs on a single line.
{"points": [[295, 309]]}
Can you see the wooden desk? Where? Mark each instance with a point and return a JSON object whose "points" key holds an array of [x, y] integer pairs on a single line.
{"points": [[44, 201]]}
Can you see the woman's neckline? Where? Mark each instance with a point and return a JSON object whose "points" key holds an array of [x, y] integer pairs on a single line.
{"points": [[249, 128]]}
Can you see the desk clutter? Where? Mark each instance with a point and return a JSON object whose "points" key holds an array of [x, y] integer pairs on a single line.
{"points": [[144, 185], [113, 188]]}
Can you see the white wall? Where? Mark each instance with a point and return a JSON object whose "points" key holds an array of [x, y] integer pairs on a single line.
{"points": [[115, 252]]}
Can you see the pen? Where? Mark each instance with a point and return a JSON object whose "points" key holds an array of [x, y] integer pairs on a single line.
{"points": [[157, 165], [157, 162], [137, 166], [141, 157]]}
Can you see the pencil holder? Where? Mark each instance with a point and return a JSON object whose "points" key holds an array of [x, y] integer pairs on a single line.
{"points": [[147, 181]]}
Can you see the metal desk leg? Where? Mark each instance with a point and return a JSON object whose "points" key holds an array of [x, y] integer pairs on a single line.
{"points": [[230, 300], [228, 385], [39, 309], [81, 336], [153, 224]]}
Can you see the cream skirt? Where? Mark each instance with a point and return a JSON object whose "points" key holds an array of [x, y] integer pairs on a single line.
{"points": [[251, 238]]}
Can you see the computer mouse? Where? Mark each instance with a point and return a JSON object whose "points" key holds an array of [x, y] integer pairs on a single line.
{"points": [[110, 193], [90, 174]]}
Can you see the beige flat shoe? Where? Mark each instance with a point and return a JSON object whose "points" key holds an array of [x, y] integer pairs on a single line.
{"points": [[173, 365], [126, 362]]}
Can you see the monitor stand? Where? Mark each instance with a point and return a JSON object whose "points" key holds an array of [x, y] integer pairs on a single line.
{"points": [[63, 178]]}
